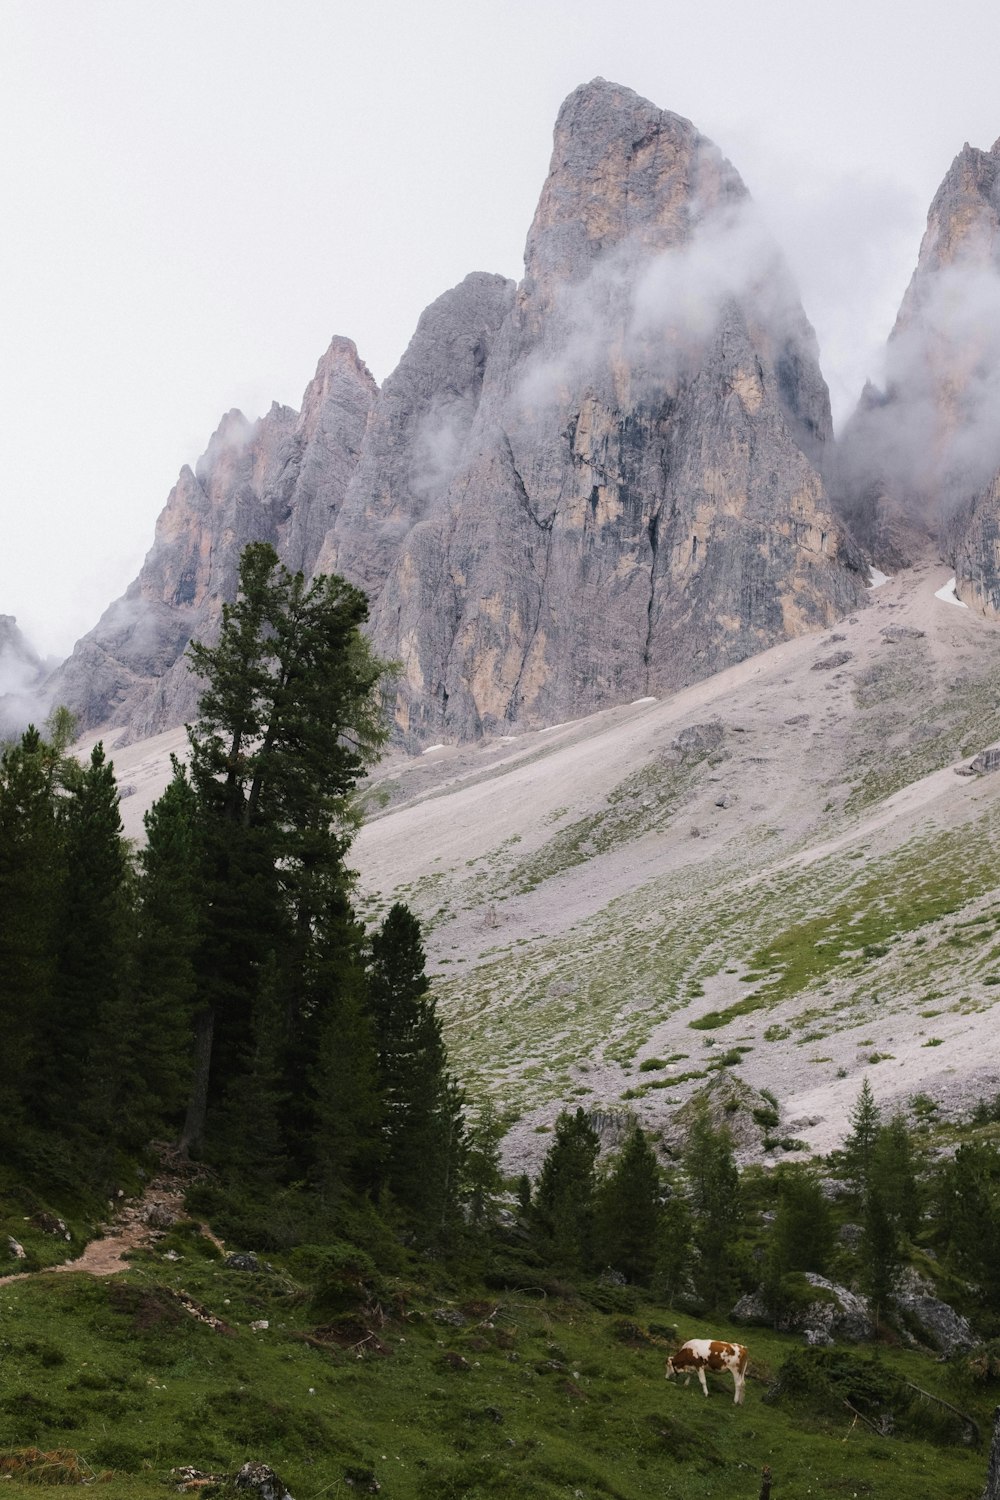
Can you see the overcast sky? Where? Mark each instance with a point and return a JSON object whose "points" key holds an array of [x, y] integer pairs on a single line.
{"points": [[198, 193]]}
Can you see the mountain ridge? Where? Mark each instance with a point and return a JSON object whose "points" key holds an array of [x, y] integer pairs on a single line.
{"points": [[603, 482]]}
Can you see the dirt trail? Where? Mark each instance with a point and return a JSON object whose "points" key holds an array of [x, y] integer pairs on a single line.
{"points": [[137, 1223]]}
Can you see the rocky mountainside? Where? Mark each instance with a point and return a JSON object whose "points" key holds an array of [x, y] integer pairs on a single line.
{"points": [[601, 483], [920, 459], [279, 479]]}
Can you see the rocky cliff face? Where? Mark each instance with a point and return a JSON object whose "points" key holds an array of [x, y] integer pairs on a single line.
{"points": [[279, 479], [918, 460], [602, 483], [639, 501]]}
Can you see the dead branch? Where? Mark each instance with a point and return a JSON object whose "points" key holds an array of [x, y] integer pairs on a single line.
{"points": [[970, 1422]]}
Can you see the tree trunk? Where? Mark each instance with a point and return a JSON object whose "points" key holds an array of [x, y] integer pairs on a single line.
{"points": [[194, 1124], [992, 1490]]}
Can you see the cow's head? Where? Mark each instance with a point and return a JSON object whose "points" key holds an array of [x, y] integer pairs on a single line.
{"points": [[670, 1371]]}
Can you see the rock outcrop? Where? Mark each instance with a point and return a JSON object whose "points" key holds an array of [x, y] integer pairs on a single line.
{"points": [[835, 1315], [639, 503], [280, 479], [920, 460], [603, 483]]}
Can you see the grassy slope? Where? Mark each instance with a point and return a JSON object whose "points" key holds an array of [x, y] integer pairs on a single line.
{"points": [[531, 1396]]}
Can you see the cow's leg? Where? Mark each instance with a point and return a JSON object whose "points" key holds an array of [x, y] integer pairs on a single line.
{"points": [[687, 1380], [737, 1388], [701, 1377]]}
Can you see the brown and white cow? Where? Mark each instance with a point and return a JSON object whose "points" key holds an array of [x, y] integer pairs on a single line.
{"points": [[699, 1355]]}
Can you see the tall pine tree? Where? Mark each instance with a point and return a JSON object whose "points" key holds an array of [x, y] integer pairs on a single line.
{"points": [[564, 1205], [629, 1210], [288, 722], [423, 1129]]}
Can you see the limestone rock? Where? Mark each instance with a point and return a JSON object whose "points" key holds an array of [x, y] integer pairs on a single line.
{"points": [[279, 479], [699, 739], [842, 1314], [945, 1328], [262, 1482], [836, 1315], [834, 660], [243, 1260], [418, 430], [920, 461], [602, 484], [986, 761], [639, 502]]}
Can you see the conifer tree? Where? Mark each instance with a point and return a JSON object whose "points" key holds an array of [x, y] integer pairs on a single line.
{"points": [[423, 1134], [968, 1213], [30, 896], [93, 1057], [483, 1177], [893, 1172], [674, 1251], [859, 1147], [169, 921], [629, 1210], [287, 723], [881, 1254], [801, 1237], [714, 1196], [564, 1199], [347, 1110]]}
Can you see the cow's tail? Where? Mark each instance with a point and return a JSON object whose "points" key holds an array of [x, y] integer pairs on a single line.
{"points": [[744, 1359]]}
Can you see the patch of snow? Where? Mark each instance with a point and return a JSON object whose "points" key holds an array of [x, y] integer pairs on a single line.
{"points": [[877, 578], [641, 700], [947, 593], [433, 747], [549, 727]]}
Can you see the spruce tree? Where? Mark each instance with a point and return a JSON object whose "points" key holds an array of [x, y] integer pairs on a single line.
{"points": [[859, 1147], [423, 1132], [968, 1215], [483, 1182], [168, 936], [714, 1196], [288, 722], [31, 874], [675, 1246], [347, 1105], [801, 1236], [893, 1172], [629, 1210], [93, 1057], [563, 1207]]}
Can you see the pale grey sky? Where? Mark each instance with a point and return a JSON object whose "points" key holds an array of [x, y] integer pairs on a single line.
{"points": [[198, 193]]}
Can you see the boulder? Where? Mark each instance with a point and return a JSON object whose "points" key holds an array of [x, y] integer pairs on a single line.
{"points": [[835, 659], [838, 1312], [986, 761], [262, 1482], [698, 739], [159, 1216], [244, 1260], [836, 1315], [944, 1328]]}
